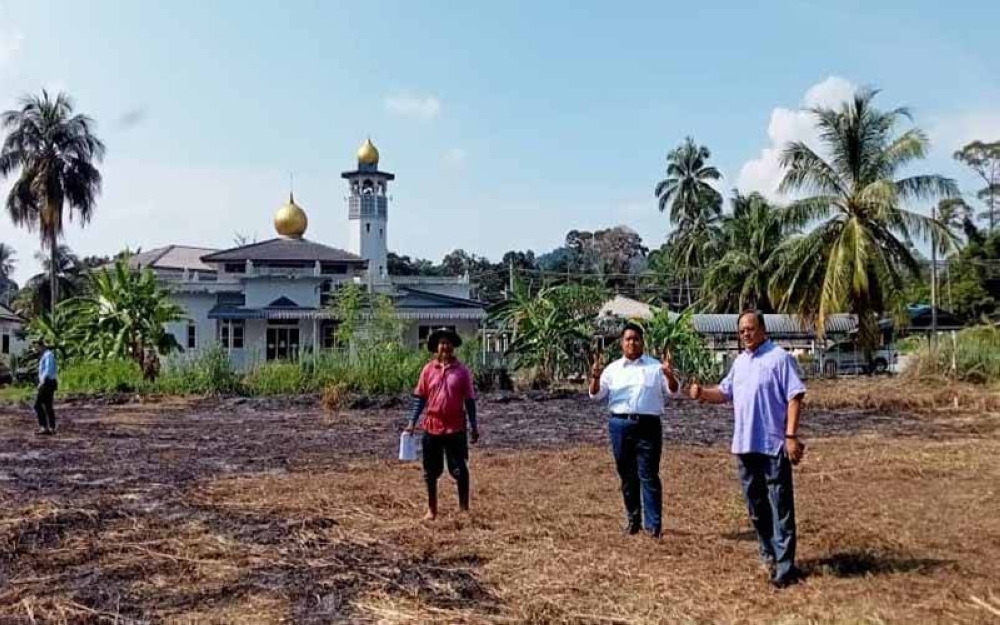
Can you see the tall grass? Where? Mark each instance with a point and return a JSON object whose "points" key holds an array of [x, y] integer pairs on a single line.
{"points": [[100, 376], [208, 372], [975, 352]]}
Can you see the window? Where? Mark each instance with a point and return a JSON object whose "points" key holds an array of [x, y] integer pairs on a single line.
{"points": [[333, 268], [381, 233], [5, 348], [368, 227], [231, 333], [192, 335], [425, 331], [328, 334], [236, 268]]}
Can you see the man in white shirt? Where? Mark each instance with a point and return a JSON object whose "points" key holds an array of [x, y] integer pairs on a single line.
{"points": [[636, 387], [47, 385]]}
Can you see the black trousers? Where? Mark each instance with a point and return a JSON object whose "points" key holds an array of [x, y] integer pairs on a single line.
{"points": [[455, 448], [43, 404]]}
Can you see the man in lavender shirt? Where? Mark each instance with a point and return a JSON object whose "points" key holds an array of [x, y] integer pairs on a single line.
{"points": [[767, 397]]}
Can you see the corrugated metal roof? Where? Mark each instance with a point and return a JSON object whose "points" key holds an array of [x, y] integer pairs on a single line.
{"points": [[7, 314], [777, 325]]}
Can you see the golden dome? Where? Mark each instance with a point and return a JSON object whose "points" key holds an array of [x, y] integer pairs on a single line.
{"points": [[290, 220], [368, 153]]}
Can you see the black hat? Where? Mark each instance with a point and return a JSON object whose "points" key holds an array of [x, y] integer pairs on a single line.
{"points": [[442, 333]]}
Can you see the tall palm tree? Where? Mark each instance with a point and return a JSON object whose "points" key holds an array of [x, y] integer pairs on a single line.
{"points": [[53, 153], [686, 190], [752, 238], [854, 259], [695, 207], [8, 259]]}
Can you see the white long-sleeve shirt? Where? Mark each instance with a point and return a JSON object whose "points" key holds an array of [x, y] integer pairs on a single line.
{"points": [[47, 366], [634, 386]]}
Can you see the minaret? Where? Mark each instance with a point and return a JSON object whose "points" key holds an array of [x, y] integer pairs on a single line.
{"points": [[368, 210]]}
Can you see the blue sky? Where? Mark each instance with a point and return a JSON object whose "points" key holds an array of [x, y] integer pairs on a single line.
{"points": [[507, 124]]}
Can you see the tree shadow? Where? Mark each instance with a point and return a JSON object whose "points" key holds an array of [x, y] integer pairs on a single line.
{"points": [[862, 563]]}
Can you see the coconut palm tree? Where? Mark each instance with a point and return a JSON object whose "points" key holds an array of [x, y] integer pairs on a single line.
{"points": [[695, 207], [855, 258], [8, 260], [752, 237], [686, 190], [52, 154]]}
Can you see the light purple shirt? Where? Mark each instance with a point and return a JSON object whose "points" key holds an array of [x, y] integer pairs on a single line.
{"points": [[760, 384]]}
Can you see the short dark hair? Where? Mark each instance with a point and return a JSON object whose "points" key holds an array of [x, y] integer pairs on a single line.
{"points": [[635, 327], [756, 313]]}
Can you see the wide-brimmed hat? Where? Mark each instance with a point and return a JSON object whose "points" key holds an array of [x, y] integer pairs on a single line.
{"points": [[442, 333]]}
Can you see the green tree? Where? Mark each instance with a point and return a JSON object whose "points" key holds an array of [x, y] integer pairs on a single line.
{"points": [[8, 260], [984, 159], [552, 328], [695, 208], [122, 313], [53, 153], [855, 259], [752, 237]]}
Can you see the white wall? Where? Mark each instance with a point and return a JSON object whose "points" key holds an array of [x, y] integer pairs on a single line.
{"points": [[10, 329], [196, 306], [304, 291]]}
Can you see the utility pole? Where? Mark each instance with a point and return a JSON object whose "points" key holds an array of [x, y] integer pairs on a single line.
{"points": [[510, 278], [933, 279]]}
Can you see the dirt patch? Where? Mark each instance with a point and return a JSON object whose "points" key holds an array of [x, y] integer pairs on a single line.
{"points": [[233, 511]]}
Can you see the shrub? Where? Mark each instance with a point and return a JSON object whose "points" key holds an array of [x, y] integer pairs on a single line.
{"points": [[115, 375], [207, 372], [976, 354], [277, 378]]}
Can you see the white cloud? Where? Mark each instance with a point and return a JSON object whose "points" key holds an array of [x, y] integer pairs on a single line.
{"points": [[455, 157], [411, 106], [950, 132], [786, 125]]}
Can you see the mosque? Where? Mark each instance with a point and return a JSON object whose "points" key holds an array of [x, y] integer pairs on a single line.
{"points": [[271, 300]]}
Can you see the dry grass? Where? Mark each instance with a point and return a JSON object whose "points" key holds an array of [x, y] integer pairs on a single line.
{"points": [[895, 395], [294, 517]]}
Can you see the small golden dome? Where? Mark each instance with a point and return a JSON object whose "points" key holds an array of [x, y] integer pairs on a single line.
{"points": [[290, 220], [368, 153]]}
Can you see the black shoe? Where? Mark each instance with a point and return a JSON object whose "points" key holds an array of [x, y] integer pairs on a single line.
{"points": [[655, 534], [631, 528], [790, 578]]}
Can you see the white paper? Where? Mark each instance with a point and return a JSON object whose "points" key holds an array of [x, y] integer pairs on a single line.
{"points": [[407, 447]]}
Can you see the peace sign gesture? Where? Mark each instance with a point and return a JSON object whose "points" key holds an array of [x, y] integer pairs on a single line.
{"points": [[596, 362], [668, 361]]}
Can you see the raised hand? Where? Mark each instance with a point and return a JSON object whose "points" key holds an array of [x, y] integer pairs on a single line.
{"points": [[597, 363], [668, 361], [694, 389]]}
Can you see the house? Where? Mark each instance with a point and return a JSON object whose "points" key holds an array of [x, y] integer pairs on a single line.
{"points": [[271, 300], [12, 329]]}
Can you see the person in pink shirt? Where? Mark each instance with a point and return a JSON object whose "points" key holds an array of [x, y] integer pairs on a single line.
{"points": [[445, 389]]}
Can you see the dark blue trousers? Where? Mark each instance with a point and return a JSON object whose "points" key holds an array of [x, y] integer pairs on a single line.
{"points": [[767, 486], [637, 445]]}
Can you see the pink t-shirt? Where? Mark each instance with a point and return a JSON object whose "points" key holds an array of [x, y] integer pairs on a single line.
{"points": [[445, 387]]}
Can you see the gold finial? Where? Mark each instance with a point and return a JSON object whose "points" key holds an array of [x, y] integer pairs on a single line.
{"points": [[290, 220], [368, 153]]}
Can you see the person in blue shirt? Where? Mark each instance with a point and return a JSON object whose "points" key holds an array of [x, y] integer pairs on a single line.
{"points": [[47, 385], [766, 392]]}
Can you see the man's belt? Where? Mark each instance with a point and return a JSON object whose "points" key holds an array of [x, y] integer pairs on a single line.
{"points": [[634, 417]]}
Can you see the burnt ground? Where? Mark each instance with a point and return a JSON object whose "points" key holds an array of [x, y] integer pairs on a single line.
{"points": [[279, 511]]}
